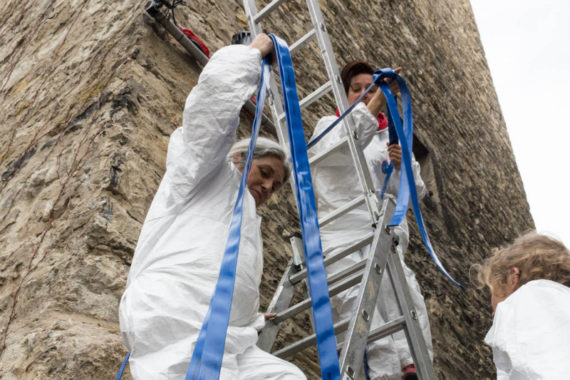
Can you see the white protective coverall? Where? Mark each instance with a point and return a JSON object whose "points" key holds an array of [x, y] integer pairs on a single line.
{"points": [[178, 256], [530, 334], [336, 183]]}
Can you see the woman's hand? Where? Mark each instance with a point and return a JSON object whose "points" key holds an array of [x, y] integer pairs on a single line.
{"points": [[378, 100], [263, 43], [269, 315], [395, 154]]}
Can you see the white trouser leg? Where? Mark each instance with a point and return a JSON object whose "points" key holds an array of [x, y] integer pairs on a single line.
{"points": [[256, 364]]}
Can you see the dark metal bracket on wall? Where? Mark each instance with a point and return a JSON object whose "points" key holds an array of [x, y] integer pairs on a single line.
{"points": [[154, 10]]}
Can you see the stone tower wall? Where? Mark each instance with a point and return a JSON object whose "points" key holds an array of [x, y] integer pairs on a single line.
{"points": [[90, 92]]}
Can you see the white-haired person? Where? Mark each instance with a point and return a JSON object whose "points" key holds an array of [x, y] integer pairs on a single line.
{"points": [[179, 252], [529, 282], [336, 184]]}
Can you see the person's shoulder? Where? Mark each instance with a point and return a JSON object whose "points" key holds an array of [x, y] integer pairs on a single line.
{"points": [[542, 286]]}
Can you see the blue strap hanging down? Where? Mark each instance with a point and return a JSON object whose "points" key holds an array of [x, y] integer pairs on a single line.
{"points": [[209, 350], [318, 287], [122, 369], [407, 188], [388, 169]]}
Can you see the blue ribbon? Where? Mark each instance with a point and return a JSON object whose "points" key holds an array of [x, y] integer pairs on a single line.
{"points": [[388, 169], [334, 123], [209, 349], [122, 369], [407, 188], [318, 287]]}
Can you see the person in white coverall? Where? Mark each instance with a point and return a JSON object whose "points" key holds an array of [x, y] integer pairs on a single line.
{"points": [[179, 253], [530, 294], [336, 184]]}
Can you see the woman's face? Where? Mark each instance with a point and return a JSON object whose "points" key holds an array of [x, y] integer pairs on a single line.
{"points": [[266, 177], [358, 84], [499, 295]]}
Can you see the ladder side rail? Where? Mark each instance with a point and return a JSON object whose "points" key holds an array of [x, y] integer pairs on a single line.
{"points": [[281, 301], [342, 103], [352, 354], [274, 98], [414, 335]]}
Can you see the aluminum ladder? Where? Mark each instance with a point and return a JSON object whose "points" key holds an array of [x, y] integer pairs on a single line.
{"points": [[382, 258]]}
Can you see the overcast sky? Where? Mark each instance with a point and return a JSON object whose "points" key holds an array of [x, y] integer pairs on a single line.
{"points": [[527, 44]]}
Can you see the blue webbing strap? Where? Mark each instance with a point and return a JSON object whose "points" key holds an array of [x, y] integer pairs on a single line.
{"points": [[209, 350], [407, 188], [326, 344], [122, 369], [334, 123], [388, 169]]}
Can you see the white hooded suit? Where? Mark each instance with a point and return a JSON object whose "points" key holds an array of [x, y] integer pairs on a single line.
{"points": [[336, 183], [531, 333], [178, 256]]}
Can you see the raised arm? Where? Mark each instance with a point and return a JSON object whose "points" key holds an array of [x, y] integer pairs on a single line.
{"points": [[211, 114]]}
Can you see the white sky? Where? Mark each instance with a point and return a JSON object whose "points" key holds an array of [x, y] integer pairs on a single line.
{"points": [[527, 44]]}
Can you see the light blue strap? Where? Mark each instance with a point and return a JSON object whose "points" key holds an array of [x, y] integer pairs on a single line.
{"points": [[209, 350], [318, 288], [407, 188]]}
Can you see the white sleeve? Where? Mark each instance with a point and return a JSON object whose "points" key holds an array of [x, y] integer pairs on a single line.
{"points": [[365, 126], [211, 116]]}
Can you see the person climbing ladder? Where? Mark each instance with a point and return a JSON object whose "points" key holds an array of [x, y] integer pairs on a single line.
{"points": [[177, 260]]}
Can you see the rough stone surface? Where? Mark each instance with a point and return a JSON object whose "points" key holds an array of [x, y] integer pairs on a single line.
{"points": [[90, 92]]}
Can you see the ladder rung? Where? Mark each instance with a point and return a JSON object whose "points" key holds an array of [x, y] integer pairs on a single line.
{"points": [[342, 210], [378, 333], [267, 10], [297, 277], [319, 157], [315, 95], [305, 304], [300, 345], [346, 272], [387, 329], [302, 41]]}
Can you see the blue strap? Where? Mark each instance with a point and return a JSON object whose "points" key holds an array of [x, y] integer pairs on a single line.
{"points": [[318, 287], [122, 369], [407, 188], [388, 169], [334, 123], [392, 139], [209, 350]]}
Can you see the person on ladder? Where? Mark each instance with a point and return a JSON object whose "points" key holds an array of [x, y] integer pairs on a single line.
{"points": [[178, 256], [389, 357]]}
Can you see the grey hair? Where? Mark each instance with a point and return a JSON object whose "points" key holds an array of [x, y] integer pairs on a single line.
{"points": [[263, 147]]}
